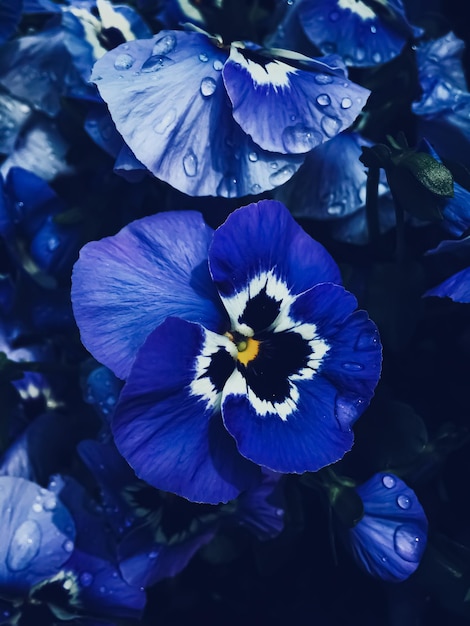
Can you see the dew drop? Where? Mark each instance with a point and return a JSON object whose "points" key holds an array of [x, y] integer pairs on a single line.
{"points": [[323, 79], [228, 187], [24, 545], [53, 243], [156, 62], [123, 61], [217, 65], [300, 138], [408, 543], [166, 122], [282, 175], [330, 125], [102, 589], [346, 103], [280, 512], [256, 188], [203, 57], [388, 481], [208, 86], [352, 367], [367, 340], [164, 45], [190, 163], [253, 157], [373, 29], [377, 57], [347, 410], [360, 54], [403, 501], [37, 507], [68, 545], [324, 100], [50, 503]]}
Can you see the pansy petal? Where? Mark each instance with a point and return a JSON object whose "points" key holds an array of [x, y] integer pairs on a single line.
{"points": [[167, 424], [126, 285], [457, 287], [286, 109], [354, 30], [181, 127], [37, 534], [261, 250]]}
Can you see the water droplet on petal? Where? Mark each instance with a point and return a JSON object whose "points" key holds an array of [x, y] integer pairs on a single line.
{"points": [[347, 410], [408, 542], [166, 122], [217, 65], [37, 507], [164, 45], [377, 57], [190, 163], [346, 103], [360, 54], [24, 545], [203, 57], [68, 545], [253, 157], [367, 340], [53, 243], [373, 29], [300, 138], [228, 187], [388, 481], [50, 503], [280, 512], [323, 79], [403, 501], [123, 61], [353, 367], [324, 100], [256, 188], [208, 86], [282, 175], [156, 62], [102, 589], [330, 125]]}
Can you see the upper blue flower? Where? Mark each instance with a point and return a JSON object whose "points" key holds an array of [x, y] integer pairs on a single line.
{"points": [[223, 120], [239, 346], [363, 33], [389, 541]]}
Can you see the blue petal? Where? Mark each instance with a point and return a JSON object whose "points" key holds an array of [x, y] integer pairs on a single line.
{"points": [[181, 127], [126, 285], [167, 424], [457, 287], [332, 181], [263, 239], [390, 539], [353, 30], [10, 15], [13, 113], [311, 426], [286, 109], [37, 534]]}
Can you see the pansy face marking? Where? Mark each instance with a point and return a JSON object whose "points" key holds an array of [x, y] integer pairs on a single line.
{"points": [[359, 8], [266, 353]]}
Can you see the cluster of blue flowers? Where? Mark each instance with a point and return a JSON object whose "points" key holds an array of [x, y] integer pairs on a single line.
{"points": [[234, 332]]}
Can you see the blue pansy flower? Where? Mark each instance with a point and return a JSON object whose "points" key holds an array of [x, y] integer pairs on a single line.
{"points": [[363, 33], [390, 539], [223, 120], [239, 347]]}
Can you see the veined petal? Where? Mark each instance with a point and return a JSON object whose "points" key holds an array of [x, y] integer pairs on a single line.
{"points": [[126, 285], [167, 424], [261, 252], [291, 408], [286, 109], [181, 127], [351, 28]]}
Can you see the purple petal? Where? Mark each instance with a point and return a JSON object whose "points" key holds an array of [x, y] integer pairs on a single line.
{"points": [[167, 424], [126, 285], [286, 109]]}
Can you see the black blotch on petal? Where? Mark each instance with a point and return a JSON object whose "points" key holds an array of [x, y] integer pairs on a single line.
{"points": [[220, 368], [260, 311]]}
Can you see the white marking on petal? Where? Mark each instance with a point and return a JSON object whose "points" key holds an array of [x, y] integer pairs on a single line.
{"points": [[91, 26], [274, 73], [190, 11], [113, 19], [275, 288], [202, 385], [357, 7]]}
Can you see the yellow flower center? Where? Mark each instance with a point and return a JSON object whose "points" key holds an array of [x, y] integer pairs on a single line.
{"points": [[248, 349]]}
